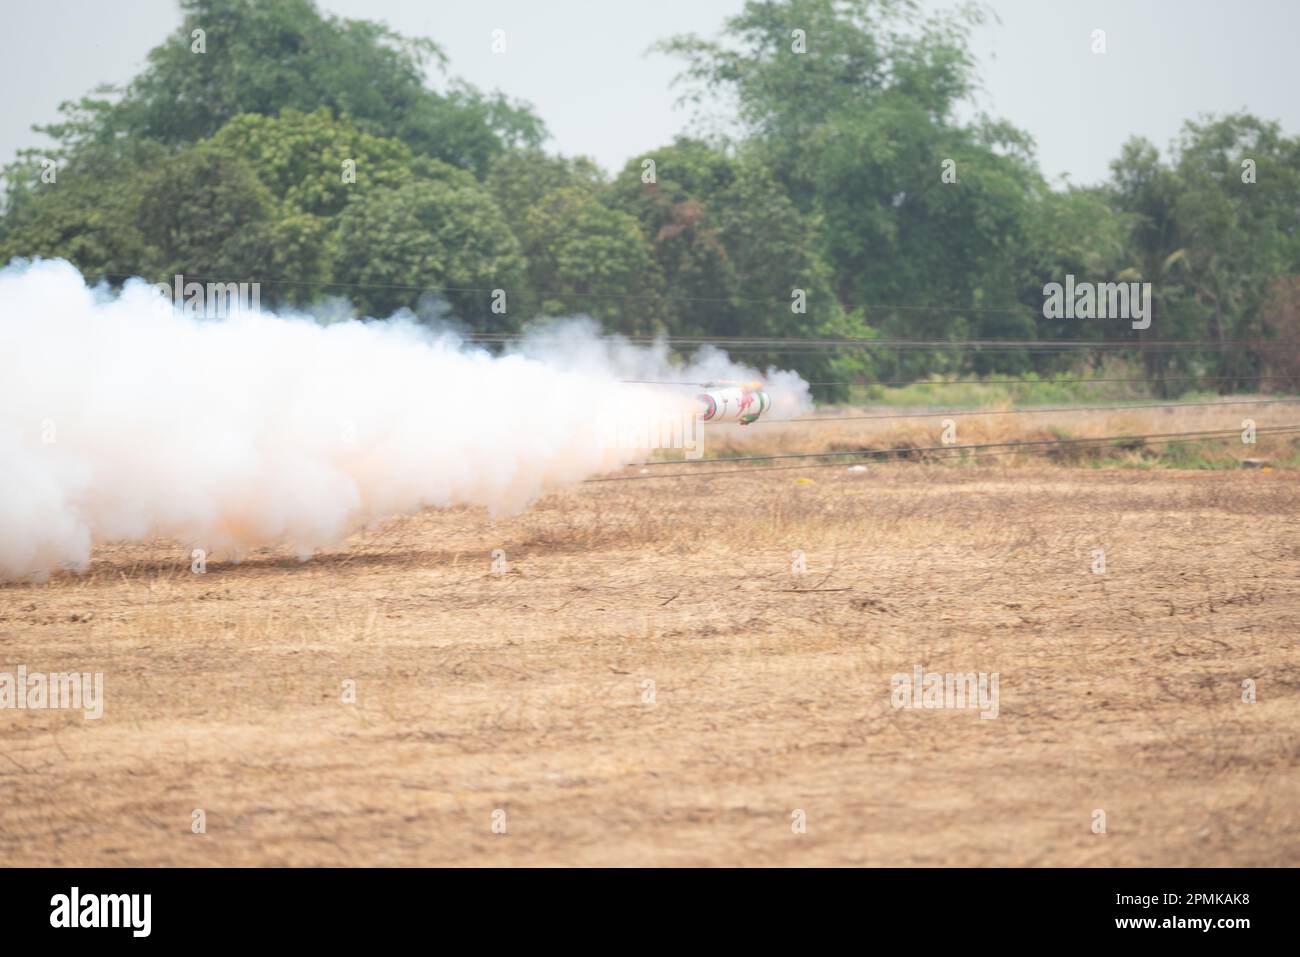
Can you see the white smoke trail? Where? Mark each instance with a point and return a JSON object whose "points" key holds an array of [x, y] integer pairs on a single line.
{"points": [[120, 421]]}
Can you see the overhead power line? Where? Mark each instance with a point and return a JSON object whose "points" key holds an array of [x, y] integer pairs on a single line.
{"points": [[784, 299], [768, 343], [945, 451], [1037, 410], [771, 343]]}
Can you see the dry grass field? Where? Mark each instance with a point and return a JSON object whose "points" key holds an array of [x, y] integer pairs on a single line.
{"points": [[646, 681]]}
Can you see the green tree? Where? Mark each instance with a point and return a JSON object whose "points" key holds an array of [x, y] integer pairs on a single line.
{"points": [[264, 56], [520, 178], [585, 257], [1213, 230], [392, 246], [674, 210], [1071, 232], [793, 91], [1238, 217], [314, 162], [852, 105], [737, 256], [224, 228], [88, 214]]}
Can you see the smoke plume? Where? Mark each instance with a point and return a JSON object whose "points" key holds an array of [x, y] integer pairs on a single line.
{"points": [[121, 421]]}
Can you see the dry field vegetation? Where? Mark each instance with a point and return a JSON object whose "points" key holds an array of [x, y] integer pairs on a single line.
{"points": [[905, 428], [648, 682]]}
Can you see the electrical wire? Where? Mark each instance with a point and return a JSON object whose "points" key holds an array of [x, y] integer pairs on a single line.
{"points": [[946, 452]]}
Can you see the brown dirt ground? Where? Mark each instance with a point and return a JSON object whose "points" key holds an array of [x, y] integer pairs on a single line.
{"points": [[527, 692]]}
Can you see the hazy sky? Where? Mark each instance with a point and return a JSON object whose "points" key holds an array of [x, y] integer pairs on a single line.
{"points": [[583, 65]]}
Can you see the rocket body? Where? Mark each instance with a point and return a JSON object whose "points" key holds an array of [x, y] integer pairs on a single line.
{"points": [[733, 404]]}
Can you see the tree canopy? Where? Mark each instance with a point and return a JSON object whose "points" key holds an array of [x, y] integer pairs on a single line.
{"points": [[846, 196]]}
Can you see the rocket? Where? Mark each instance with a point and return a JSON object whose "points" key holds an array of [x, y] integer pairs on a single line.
{"points": [[742, 403]]}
